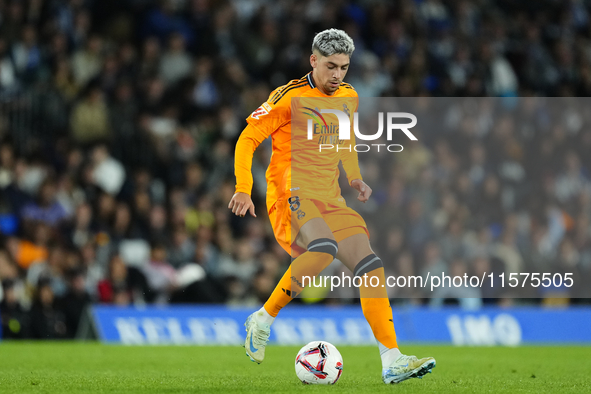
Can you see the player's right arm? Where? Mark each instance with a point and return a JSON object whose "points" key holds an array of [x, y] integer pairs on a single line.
{"points": [[261, 123], [249, 140]]}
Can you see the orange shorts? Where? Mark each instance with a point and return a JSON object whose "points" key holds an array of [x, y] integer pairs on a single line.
{"points": [[287, 217]]}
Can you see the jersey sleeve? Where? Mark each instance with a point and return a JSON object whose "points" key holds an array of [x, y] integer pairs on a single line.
{"points": [[349, 158], [270, 116], [351, 163], [263, 122], [248, 142]]}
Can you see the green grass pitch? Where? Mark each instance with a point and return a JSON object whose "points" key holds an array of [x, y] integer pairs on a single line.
{"points": [[91, 367]]}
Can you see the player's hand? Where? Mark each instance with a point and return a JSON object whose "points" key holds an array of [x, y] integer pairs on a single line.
{"points": [[240, 204], [364, 190]]}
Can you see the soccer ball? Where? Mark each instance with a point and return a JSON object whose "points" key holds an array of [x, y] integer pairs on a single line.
{"points": [[319, 362]]}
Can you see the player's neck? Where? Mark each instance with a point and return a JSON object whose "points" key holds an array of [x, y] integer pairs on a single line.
{"points": [[320, 86]]}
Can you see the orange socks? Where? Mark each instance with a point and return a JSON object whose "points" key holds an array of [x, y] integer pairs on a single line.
{"points": [[375, 302], [320, 254], [281, 295], [378, 314], [374, 299]]}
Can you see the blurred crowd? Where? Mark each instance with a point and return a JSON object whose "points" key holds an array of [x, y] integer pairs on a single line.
{"points": [[493, 185], [118, 120]]}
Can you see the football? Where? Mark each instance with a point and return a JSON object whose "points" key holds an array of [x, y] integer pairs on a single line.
{"points": [[319, 362]]}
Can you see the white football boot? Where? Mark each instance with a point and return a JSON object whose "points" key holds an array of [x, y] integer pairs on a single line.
{"points": [[257, 337], [406, 367]]}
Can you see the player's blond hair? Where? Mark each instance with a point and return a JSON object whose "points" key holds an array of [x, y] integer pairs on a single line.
{"points": [[333, 41]]}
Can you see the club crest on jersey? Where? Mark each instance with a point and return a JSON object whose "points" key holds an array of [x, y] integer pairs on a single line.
{"points": [[346, 110], [262, 110]]}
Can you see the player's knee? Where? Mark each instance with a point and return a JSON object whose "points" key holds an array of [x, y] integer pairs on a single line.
{"points": [[324, 245], [368, 264]]}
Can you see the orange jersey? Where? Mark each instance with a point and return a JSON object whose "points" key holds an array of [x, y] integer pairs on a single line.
{"points": [[297, 166]]}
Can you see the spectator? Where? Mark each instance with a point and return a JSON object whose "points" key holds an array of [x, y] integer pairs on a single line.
{"points": [[89, 121], [13, 21], [176, 63], [149, 64], [47, 321], [502, 80], [158, 229], [50, 272], [28, 252], [182, 249], [107, 173], [26, 55], [161, 276], [241, 265], [87, 63], [205, 93], [74, 302], [46, 209], [93, 270], [13, 317], [8, 79], [434, 264], [80, 231], [371, 80], [115, 283], [164, 20]]}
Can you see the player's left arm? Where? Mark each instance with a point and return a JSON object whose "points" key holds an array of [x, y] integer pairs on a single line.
{"points": [[351, 165]]}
